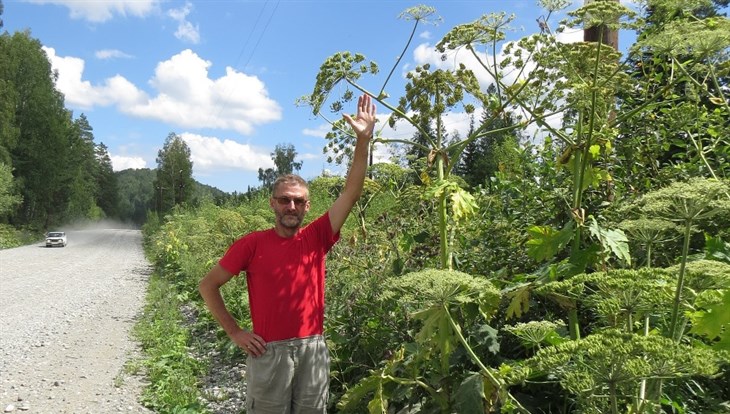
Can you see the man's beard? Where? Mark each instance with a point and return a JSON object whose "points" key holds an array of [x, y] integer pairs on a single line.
{"points": [[290, 221]]}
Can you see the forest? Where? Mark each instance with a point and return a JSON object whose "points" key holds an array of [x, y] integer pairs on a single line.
{"points": [[585, 272]]}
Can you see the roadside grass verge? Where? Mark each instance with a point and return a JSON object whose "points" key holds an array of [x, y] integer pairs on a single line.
{"points": [[12, 237], [170, 368]]}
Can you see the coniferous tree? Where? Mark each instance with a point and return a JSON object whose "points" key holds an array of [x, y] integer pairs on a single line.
{"points": [[83, 169], [108, 196], [485, 156]]}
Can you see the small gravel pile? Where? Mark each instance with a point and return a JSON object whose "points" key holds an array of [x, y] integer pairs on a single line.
{"points": [[223, 388]]}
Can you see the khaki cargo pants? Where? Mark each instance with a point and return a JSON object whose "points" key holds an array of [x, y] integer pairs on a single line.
{"points": [[291, 377]]}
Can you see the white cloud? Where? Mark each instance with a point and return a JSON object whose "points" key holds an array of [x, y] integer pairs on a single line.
{"points": [[308, 156], [570, 36], [186, 96], [101, 11], [185, 30], [120, 162], [83, 94], [111, 54], [425, 35], [213, 154], [320, 132]]}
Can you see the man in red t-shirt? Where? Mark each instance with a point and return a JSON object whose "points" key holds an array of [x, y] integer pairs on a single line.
{"points": [[287, 368]]}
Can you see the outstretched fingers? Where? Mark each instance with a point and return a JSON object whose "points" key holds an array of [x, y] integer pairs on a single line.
{"points": [[364, 122]]}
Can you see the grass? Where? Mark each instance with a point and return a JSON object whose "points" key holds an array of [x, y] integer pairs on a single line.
{"points": [[171, 371]]}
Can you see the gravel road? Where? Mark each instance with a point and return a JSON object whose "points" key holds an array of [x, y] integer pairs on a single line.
{"points": [[65, 320]]}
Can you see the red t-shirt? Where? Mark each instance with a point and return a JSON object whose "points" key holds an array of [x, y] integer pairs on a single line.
{"points": [[285, 278]]}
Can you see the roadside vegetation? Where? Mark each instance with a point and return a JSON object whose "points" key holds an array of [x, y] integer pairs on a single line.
{"points": [[587, 271]]}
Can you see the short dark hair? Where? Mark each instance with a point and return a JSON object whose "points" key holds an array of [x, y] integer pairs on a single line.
{"points": [[289, 179]]}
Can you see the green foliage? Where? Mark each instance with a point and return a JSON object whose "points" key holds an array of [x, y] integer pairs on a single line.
{"points": [[604, 370], [712, 321], [406, 338], [612, 241], [136, 193], [172, 372], [717, 249], [545, 242], [174, 180], [463, 204], [9, 198], [59, 174], [435, 299]]}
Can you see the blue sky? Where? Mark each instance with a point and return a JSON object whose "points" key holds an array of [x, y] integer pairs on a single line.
{"points": [[225, 74]]}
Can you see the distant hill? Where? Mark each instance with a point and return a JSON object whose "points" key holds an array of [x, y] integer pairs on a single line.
{"points": [[137, 193]]}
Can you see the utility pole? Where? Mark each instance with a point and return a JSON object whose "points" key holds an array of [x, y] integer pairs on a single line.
{"points": [[601, 33]]}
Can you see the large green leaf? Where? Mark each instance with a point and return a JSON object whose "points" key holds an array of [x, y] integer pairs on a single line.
{"points": [[355, 395], [545, 242], [613, 241], [714, 322], [519, 301], [470, 395], [717, 249], [463, 204]]}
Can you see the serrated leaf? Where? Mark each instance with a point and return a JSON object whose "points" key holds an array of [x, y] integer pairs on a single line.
{"points": [[463, 204], [714, 322], [359, 392], [613, 241], [545, 242], [519, 303]]}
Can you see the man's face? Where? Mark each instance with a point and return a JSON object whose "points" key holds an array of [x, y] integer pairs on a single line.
{"points": [[290, 203]]}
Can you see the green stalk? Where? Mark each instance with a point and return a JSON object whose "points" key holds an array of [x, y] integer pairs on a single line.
{"points": [[642, 387], [612, 395], [648, 254], [443, 242], [486, 371], [573, 323], [408, 43], [680, 284]]}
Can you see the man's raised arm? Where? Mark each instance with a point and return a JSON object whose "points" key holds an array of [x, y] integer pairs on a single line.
{"points": [[362, 125]]}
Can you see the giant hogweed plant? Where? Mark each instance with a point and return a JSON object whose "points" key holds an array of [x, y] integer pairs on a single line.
{"points": [[586, 78], [603, 370], [693, 51], [632, 304], [688, 204], [429, 97], [579, 81], [439, 371]]}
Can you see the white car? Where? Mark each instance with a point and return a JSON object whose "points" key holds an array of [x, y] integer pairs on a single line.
{"points": [[56, 238]]}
